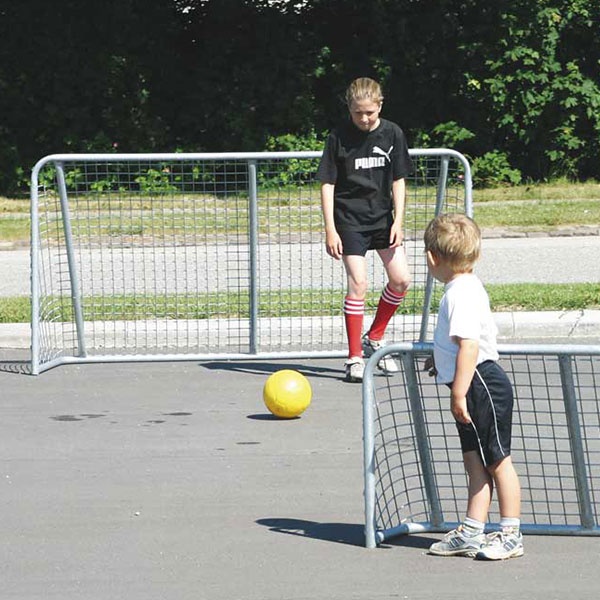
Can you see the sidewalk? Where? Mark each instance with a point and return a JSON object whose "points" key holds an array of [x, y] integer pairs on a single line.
{"points": [[570, 326]]}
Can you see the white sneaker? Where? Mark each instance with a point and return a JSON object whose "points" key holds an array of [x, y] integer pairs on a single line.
{"points": [[458, 543], [355, 369], [387, 364], [501, 545]]}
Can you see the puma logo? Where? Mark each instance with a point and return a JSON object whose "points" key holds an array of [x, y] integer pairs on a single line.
{"points": [[378, 150], [374, 161]]}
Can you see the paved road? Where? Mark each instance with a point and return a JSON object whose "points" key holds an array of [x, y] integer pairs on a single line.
{"points": [[504, 260], [170, 481], [540, 260]]}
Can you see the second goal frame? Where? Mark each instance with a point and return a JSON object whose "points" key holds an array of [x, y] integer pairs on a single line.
{"points": [[414, 475]]}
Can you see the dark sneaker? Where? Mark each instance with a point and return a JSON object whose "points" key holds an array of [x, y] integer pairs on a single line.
{"points": [[458, 543], [387, 364], [355, 369], [501, 545]]}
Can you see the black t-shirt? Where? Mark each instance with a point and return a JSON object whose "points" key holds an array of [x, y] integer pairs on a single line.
{"points": [[362, 166]]}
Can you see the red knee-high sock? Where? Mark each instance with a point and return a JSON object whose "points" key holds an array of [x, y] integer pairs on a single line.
{"points": [[354, 312], [388, 303]]}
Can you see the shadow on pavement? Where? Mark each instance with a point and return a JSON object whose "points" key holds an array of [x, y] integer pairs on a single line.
{"points": [[340, 533], [19, 367], [266, 367]]}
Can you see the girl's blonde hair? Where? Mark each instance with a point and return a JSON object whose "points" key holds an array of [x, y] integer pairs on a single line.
{"points": [[456, 239], [364, 88]]}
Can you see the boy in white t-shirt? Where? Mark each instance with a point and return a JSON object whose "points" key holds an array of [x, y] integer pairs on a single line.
{"points": [[464, 359]]}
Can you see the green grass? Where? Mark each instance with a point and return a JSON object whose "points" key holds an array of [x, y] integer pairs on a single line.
{"points": [[543, 297], [560, 189], [15, 310], [544, 214], [539, 206], [295, 303]]}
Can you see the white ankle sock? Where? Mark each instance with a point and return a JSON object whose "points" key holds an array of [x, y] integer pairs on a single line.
{"points": [[510, 523], [473, 526]]}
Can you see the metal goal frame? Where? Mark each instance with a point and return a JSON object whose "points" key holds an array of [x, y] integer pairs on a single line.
{"points": [[414, 478], [185, 256]]}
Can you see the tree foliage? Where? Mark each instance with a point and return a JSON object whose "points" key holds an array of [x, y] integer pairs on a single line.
{"points": [[539, 88], [512, 83]]}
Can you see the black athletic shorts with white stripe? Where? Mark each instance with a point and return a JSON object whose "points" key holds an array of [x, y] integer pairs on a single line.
{"points": [[490, 404]]}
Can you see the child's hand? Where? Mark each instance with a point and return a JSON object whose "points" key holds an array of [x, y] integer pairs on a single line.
{"points": [[396, 235], [333, 244], [458, 406], [429, 366]]}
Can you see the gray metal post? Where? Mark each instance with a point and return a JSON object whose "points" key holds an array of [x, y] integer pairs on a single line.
{"points": [[253, 243], [414, 396], [35, 275], [73, 276], [440, 199], [369, 457], [581, 478]]}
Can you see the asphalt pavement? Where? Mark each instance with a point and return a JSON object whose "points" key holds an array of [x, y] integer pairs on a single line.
{"points": [[538, 259], [172, 481]]}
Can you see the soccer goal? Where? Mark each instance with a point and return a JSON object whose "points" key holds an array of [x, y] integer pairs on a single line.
{"points": [[414, 476], [206, 256]]}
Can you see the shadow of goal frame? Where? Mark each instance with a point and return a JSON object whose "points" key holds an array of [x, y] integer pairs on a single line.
{"points": [[414, 476], [205, 256]]}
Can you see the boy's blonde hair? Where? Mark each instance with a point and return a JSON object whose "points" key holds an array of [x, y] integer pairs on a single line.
{"points": [[456, 239], [364, 88]]}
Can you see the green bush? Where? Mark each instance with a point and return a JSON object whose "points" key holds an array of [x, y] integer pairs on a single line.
{"points": [[292, 171], [493, 169], [445, 135]]}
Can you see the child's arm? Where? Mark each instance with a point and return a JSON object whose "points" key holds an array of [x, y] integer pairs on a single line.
{"points": [[333, 242], [466, 362], [398, 198]]}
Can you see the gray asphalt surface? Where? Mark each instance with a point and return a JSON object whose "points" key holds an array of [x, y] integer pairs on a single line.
{"points": [[172, 481], [504, 260]]}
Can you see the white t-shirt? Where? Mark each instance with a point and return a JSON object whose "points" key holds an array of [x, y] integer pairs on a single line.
{"points": [[464, 312]]}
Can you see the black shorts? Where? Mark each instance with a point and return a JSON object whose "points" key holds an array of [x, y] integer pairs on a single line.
{"points": [[356, 243], [490, 404]]}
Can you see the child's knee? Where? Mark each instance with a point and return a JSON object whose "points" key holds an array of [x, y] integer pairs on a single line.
{"points": [[357, 288], [400, 285]]}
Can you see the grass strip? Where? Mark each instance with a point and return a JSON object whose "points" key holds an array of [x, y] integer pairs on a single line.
{"points": [[292, 303]]}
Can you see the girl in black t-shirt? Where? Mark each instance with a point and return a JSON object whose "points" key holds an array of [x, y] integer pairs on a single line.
{"points": [[362, 175]]}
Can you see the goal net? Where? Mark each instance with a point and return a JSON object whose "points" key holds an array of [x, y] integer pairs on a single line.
{"points": [[192, 256], [414, 476]]}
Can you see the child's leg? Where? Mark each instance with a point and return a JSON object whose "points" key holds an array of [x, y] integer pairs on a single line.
{"points": [[508, 488], [468, 538], [481, 487], [354, 302], [508, 542], [396, 266]]}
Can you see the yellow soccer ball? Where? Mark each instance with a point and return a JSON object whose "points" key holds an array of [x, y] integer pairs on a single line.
{"points": [[287, 393]]}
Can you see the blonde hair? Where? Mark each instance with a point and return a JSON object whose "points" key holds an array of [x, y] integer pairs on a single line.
{"points": [[363, 88], [456, 239]]}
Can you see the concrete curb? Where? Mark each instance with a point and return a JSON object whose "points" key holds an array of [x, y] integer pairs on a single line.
{"points": [[567, 325], [570, 324]]}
